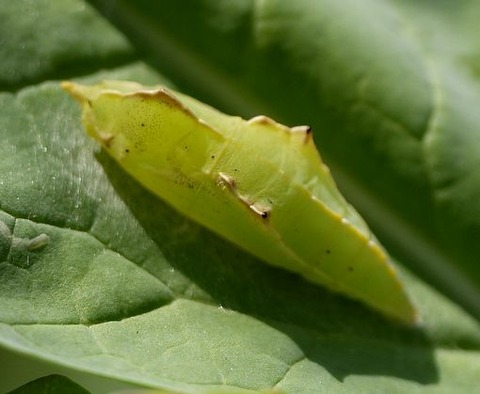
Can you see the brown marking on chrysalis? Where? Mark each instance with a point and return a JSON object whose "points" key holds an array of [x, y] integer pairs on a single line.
{"points": [[227, 180], [301, 129], [266, 121], [106, 138], [261, 119], [306, 130], [165, 97], [224, 179], [263, 213]]}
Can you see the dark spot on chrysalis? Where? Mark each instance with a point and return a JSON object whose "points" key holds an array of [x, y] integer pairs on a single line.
{"points": [[89, 103], [350, 269], [264, 215], [213, 156], [143, 125], [127, 150], [328, 251], [308, 130]]}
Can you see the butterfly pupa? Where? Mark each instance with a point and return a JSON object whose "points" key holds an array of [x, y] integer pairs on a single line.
{"points": [[257, 183]]}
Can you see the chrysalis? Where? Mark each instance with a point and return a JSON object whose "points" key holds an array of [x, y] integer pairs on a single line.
{"points": [[255, 182]]}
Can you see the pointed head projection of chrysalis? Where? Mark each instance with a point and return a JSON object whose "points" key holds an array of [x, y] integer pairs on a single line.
{"points": [[257, 183], [119, 115]]}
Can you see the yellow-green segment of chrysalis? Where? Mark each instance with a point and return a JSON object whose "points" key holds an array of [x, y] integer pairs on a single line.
{"points": [[255, 182]]}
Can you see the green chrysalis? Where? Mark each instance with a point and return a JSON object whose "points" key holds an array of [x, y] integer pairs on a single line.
{"points": [[255, 182]]}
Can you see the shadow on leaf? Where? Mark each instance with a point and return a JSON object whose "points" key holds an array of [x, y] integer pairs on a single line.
{"points": [[342, 335]]}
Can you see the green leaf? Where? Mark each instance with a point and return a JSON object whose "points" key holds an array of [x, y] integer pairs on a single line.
{"points": [[127, 289]]}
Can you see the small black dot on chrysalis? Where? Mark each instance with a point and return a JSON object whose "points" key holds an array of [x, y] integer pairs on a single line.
{"points": [[328, 251], [264, 215]]}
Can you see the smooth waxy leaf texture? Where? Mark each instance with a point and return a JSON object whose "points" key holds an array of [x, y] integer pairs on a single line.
{"points": [[122, 287]]}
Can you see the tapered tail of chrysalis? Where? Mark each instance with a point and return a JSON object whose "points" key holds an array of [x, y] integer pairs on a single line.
{"points": [[257, 183]]}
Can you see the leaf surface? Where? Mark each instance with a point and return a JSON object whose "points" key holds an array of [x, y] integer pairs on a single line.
{"points": [[128, 289]]}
